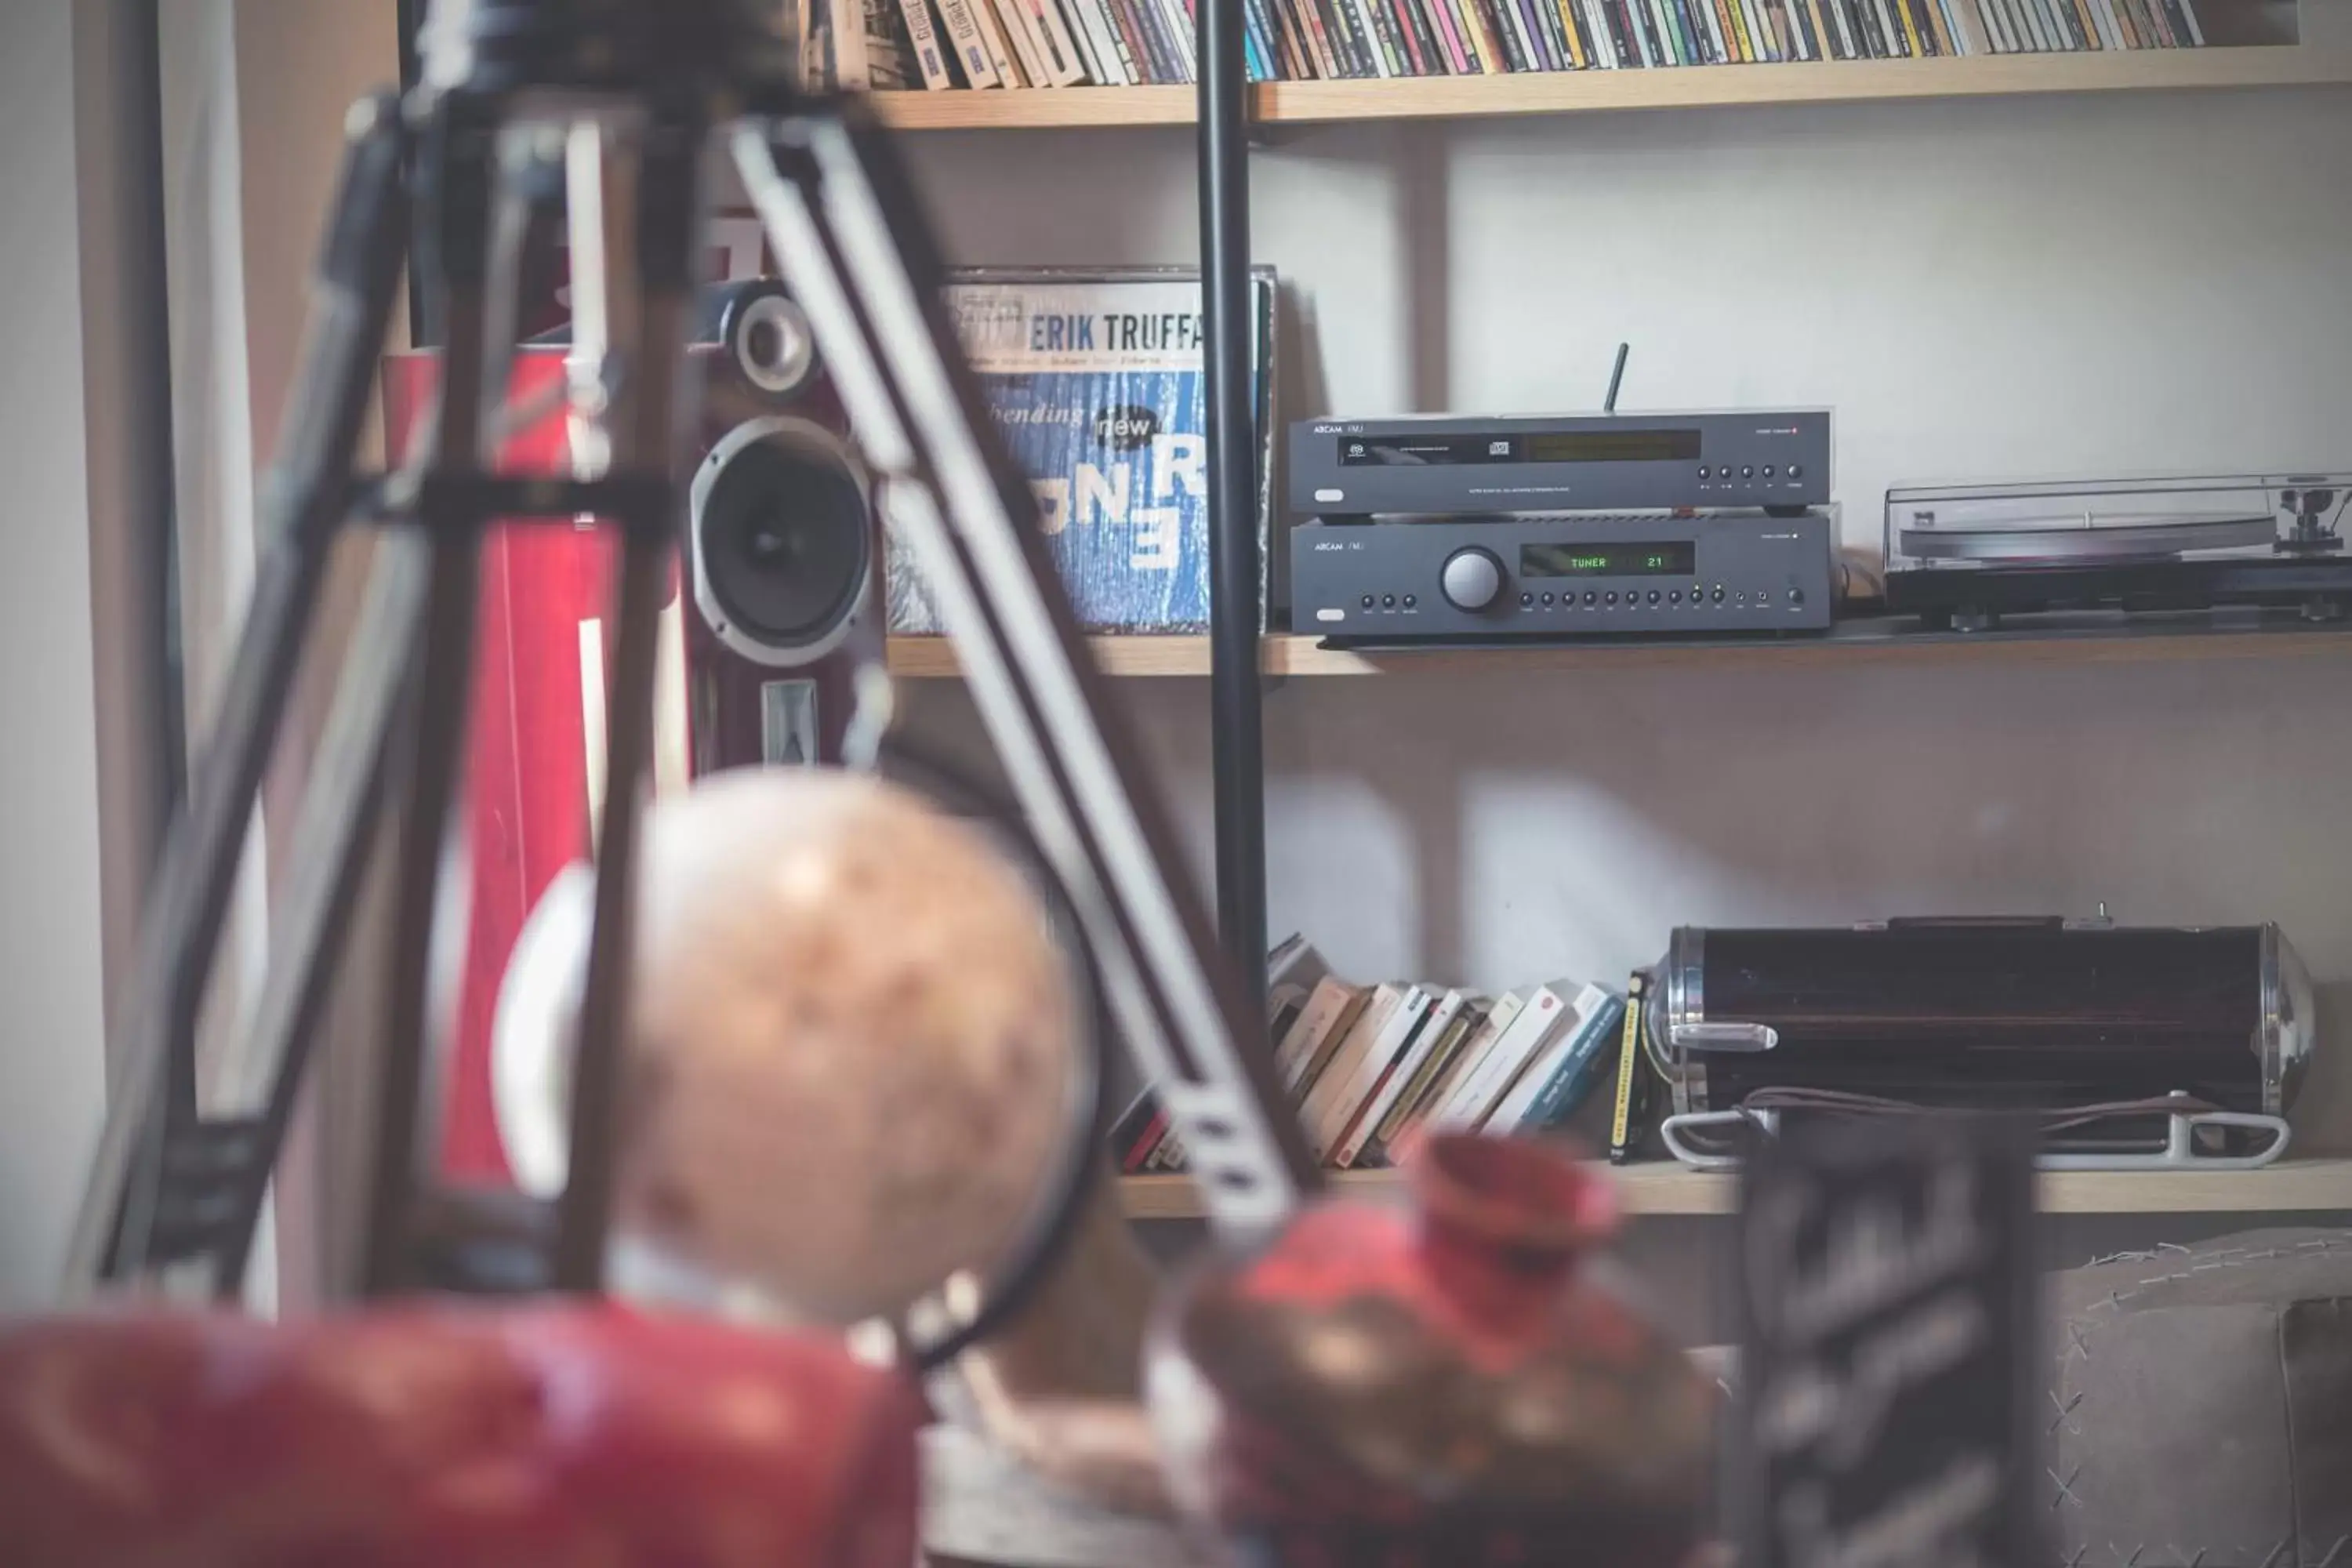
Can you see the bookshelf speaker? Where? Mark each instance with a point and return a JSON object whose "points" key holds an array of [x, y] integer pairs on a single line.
{"points": [[781, 544]]}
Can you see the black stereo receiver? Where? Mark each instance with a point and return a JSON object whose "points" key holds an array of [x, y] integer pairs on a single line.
{"points": [[1573, 462], [1457, 580]]}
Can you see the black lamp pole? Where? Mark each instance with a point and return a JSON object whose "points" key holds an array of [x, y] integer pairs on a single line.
{"points": [[1237, 745]]}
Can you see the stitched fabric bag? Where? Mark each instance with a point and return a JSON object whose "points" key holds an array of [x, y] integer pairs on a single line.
{"points": [[2201, 1405]]}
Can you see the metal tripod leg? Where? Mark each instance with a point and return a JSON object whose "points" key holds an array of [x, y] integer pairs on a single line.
{"points": [[462, 188], [331, 846], [304, 504], [642, 238], [845, 215]]}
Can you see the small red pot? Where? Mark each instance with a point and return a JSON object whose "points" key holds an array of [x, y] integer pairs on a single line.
{"points": [[1435, 1383]]}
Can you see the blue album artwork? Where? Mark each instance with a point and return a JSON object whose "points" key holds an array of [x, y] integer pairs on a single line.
{"points": [[1097, 390]]}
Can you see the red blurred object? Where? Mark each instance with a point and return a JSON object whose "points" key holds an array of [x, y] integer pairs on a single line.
{"points": [[535, 736], [568, 1436], [537, 696], [1436, 1385]]}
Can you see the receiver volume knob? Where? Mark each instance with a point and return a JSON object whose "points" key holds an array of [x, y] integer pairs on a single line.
{"points": [[1473, 579]]}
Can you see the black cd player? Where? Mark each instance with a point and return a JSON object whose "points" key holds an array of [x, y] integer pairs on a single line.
{"points": [[1446, 464]]}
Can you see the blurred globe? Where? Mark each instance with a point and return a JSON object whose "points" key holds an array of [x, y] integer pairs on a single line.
{"points": [[852, 1044]]}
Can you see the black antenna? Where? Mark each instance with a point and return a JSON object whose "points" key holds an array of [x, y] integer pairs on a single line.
{"points": [[1616, 379]]}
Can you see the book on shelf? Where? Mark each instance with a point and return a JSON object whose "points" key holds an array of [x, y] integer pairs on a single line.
{"points": [[1468, 1058], [1353, 1100], [1340, 1069], [1364, 1066], [931, 52], [1301, 1051], [1427, 1082], [966, 43], [1546, 1010], [991, 37], [1567, 1071], [979, 44], [1449, 1019]]}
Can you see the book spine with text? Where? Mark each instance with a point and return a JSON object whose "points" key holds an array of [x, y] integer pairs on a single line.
{"points": [[1484, 1086], [1405, 21], [1099, 38], [1604, 37], [1141, 21], [1330, 63], [1347, 42], [1476, 59], [1436, 1027], [1125, 46], [970, 48], [991, 38], [1735, 33], [1498, 21], [1424, 1076], [1351, 1107], [1555, 37], [1568, 1074], [1339, 1072], [1710, 22], [1064, 64], [1017, 36], [1179, 18], [1450, 43], [1825, 33], [1091, 65], [1478, 44], [1848, 29], [1373, 21], [1268, 33]]}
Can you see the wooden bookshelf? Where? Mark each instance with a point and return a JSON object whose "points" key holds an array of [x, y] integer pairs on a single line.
{"points": [[1856, 644], [1596, 91], [2292, 1186]]}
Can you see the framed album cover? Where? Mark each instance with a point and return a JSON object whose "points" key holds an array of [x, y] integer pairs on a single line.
{"points": [[1096, 381]]}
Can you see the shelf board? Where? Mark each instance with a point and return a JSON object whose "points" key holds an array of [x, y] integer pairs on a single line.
{"points": [[1693, 87], [2317, 1185], [2098, 640], [934, 658]]}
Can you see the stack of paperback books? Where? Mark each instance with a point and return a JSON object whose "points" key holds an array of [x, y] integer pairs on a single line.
{"points": [[1365, 1064], [944, 44]]}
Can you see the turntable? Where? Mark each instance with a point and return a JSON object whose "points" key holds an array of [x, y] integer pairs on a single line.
{"points": [[1965, 555]]}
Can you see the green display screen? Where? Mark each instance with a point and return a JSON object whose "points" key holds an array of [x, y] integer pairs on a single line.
{"points": [[1675, 558]]}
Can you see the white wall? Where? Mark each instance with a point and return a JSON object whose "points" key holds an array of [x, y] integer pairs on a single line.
{"points": [[52, 1047], [1991, 289]]}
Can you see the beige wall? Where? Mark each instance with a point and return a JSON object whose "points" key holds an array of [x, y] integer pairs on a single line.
{"points": [[52, 1049]]}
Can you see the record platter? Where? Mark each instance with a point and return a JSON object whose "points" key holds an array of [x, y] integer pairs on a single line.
{"points": [[1965, 555]]}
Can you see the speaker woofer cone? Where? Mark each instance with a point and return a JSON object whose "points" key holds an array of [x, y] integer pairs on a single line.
{"points": [[782, 538]]}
